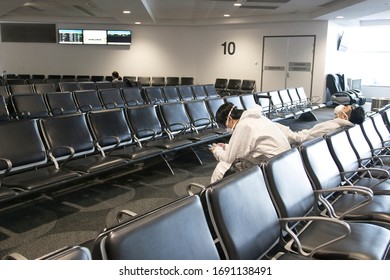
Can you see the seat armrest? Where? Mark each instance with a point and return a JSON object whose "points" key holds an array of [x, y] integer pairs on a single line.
{"points": [[98, 144], [51, 153], [6, 169], [181, 131], [149, 138], [124, 212], [196, 185], [361, 172], [14, 256], [132, 103], [364, 191], [85, 108], [54, 111], [201, 119], [111, 105], [193, 124], [284, 222]]}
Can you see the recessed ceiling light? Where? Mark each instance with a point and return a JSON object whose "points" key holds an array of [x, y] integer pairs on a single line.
{"points": [[137, 22], [126, 12], [237, 4], [340, 17], [226, 15]]}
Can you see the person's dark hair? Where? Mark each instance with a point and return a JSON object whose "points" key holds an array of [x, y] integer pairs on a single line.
{"points": [[223, 112], [357, 115], [115, 75]]}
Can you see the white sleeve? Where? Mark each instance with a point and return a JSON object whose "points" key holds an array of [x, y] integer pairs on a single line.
{"points": [[240, 145]]}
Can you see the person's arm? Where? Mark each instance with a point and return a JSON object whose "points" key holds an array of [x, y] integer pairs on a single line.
{"points": [[240, 145], [292, 136]]}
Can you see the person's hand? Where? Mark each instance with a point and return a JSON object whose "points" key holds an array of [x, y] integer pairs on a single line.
{"points": [[222, 145], [212, 147]]}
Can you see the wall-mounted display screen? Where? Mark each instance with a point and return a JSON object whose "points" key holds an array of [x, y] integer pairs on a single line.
{"points": [[95, 37], [118, 37], [70, 36]]}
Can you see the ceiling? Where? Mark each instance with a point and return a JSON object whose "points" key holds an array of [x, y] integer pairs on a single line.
{"points": [[191, 12]]}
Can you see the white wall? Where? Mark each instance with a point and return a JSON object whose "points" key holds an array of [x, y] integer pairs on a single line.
{"points": [[168, 51], [246, 63]]}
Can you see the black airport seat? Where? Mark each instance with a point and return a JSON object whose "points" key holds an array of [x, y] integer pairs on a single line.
{"points": [[220, 85], [245, 219], [87, 85], [21, 89], [154, 95], [30, 169], [111, 98], [199, 91], [247, 86], [30, 106], [364, 201], [249, 101], [366, 155], [178, 123], [374, 139], [172, 81], [69, 86], [186, 81], [44, 88], [185, 92], [74, 145], [353, 170], [111, 130], [235, 99], [176, 231], [294, 196], [211, 90], [149, 130], [158, 82], [104, 84], [61, 103], [144, 81], [200, 119], [87, 100], [171, 94], [132, 96]]}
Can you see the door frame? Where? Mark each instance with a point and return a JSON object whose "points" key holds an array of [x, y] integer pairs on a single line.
{"points": [[290, 36]]}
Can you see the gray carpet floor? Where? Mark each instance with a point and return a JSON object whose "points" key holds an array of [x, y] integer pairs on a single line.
{"points": [[38, 225]]}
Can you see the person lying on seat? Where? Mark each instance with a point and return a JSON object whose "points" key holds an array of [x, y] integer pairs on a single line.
{"points": [[345, 116], [253, 136]]}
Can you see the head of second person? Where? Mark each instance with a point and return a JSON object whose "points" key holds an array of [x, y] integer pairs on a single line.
{"points": [[115, 75], [228, 115], [355, 115]]}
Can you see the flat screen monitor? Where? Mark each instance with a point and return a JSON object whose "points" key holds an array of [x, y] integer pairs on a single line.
{"points": [[95, 37], [118, 37], [70, 36]]}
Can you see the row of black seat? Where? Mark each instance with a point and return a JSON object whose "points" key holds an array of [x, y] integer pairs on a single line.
{"points": [[42, 88], [184, 91], [33, 105], [43, 105], [234, 86], [141, 80], [315, 201], [47, 152]]}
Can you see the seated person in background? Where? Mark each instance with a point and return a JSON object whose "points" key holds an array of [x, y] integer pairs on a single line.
{"points": [[253, 135], [116, 77], [345, 116]]}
